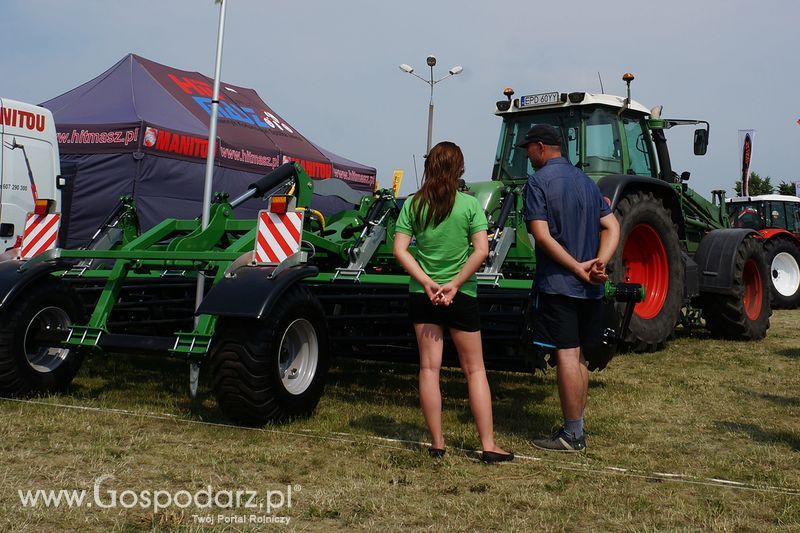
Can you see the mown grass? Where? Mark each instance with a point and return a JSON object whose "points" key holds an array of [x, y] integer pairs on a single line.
{"points": [[703, 408]]}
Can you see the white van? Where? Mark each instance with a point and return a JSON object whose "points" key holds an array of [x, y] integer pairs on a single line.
{"points": [[29, 167]]}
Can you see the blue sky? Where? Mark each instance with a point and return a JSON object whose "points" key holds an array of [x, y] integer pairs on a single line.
{"points": [[331, 68]]}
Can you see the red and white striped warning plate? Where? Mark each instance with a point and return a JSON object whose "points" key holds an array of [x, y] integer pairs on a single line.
{"points": [[40, 234], [278, 236]]}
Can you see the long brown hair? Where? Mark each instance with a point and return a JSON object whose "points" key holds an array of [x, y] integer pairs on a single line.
{"points": [[434, 200]]}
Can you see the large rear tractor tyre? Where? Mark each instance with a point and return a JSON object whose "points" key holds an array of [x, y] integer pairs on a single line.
{"points": [[649, 253], [32, 360], [783, 256], [743, 315], [273, 369]]}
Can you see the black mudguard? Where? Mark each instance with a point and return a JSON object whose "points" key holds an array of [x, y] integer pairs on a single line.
{"points": [[614, 187], [716, 259], [14, 281], [250, 292]]}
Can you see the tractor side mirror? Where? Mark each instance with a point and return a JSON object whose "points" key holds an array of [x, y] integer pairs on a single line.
{"points": [[700, 141]]}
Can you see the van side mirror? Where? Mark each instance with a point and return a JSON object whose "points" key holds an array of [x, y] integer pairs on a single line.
{"points": [[700, 141]]}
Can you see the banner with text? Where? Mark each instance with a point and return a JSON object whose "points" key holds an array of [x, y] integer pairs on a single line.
{"points": [[745, 157]]}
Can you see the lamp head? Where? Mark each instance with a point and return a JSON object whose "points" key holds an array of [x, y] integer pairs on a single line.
{"points": [[407, 68], [431, 61], [456, 70]]}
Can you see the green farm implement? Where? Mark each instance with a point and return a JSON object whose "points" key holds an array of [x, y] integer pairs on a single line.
{"points": [[267, 329]]}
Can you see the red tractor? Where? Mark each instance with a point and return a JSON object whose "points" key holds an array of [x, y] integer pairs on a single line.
{"points": [[777, 218]]}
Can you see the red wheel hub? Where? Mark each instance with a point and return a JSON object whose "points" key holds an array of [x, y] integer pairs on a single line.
{"points": [[645, 262], [753, 290]]}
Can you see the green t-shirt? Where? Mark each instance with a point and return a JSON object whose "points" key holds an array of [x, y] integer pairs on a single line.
{"points": [[443, 250]]}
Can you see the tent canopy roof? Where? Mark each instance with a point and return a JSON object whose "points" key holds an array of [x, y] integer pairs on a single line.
{"points": [[167, 111]]}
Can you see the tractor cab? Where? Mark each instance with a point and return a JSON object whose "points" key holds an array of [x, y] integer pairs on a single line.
{"points": [[770, 211], [596, 137], [602, 134]]}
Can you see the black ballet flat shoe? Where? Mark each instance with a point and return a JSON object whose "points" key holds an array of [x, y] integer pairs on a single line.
{"points": [[436, 453], [494, 457]]}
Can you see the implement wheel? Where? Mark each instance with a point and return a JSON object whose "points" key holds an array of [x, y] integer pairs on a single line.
{"points": [[649, 253], [745, 313], [32, 360], [783, 256], [273, 369]]}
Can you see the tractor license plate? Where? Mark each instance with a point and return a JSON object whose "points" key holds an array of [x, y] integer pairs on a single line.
{"points": [[532, 100]]}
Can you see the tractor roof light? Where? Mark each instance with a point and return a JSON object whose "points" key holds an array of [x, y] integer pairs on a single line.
{"points": [[628, 78], [505, 105]]}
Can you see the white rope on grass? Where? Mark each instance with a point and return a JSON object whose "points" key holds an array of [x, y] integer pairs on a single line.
{"points": [[408, 444], [178, 418]]}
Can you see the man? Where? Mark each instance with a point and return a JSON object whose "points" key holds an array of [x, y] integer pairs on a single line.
{"points": [[576, 234]]}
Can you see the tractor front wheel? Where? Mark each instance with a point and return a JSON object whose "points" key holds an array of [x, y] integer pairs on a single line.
{"points": [[649, 253], [783, 256], [273, 369]]}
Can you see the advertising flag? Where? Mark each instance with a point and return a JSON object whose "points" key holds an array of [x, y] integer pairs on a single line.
{"points": [[397, 181], [745, 157]]}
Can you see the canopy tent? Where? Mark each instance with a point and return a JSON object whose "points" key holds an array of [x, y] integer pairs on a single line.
{"points": [[141, 129]]}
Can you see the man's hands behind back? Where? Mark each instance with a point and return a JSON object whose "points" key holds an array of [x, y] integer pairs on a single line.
{"points": [[592, 271]]}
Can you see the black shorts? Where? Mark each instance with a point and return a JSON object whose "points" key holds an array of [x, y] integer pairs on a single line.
{"points": [[462, 314], [566, 322]]}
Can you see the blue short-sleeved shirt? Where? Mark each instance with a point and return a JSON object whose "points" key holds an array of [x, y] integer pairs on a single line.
{"points": [[572, 205]]}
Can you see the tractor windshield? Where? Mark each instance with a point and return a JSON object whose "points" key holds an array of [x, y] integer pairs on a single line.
{"points": [[783, 215], [513, 163]]}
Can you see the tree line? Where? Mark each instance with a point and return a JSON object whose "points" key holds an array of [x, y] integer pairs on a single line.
{"points": [[759, 185]]}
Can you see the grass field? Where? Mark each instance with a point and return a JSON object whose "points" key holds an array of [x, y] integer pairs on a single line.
{"points": [[666, 433]]}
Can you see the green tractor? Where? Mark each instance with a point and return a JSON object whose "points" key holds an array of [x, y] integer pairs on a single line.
{"points": [[673, 241], [282, 298]]}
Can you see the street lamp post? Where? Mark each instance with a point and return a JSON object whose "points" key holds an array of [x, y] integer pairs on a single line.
{"points": [[408, 69]]}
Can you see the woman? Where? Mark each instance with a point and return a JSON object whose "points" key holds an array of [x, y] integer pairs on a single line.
{"points": [[443, 289]]}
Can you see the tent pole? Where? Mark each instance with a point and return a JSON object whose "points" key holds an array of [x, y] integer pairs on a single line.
{"points": [[208, 185], [212, 128]]}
